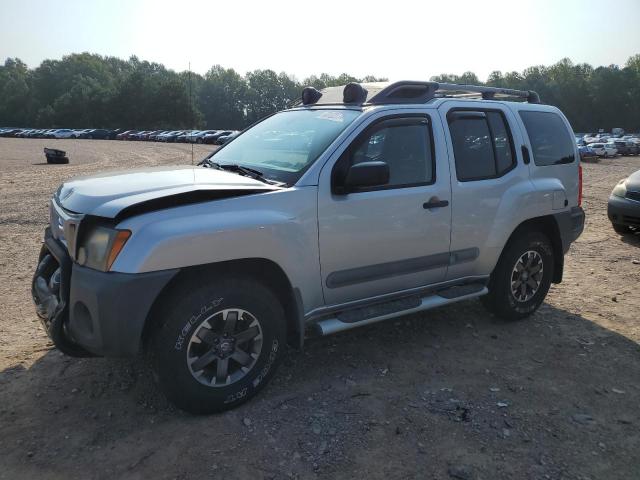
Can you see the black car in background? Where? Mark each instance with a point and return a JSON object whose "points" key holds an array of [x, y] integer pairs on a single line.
{"points": [[624, 204]]}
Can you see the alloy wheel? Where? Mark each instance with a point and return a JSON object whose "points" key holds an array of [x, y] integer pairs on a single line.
{"points": [[526, 276], [225, 347]]}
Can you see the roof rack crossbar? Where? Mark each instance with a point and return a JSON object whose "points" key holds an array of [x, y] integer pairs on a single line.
{"points": [[422, 92]]}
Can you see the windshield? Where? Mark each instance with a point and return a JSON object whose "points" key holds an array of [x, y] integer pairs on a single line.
{"points": [[284, 145]]}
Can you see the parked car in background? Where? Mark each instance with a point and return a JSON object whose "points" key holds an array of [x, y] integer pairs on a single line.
{"points": [[213, 137], [141, 135], [624, 204], [9, 132], [199, 135], [155, 134], [620, 146], [124, 135], [63, 133], [101, 134], [604, 149], [182, 138], [610, 149], [170, 137], [226, 138], [149, 134], [587, 153], [599, 149], [632, 147]]}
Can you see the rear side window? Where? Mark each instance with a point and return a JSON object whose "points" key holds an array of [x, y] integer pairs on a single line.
{"points": [[550, 139], [482, 144]]}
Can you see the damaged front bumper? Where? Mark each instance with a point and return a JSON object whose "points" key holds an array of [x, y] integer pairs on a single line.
{"points": [[50, 292], [88, 312]]}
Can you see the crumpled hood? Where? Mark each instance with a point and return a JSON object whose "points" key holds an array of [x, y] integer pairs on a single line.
{"points": [[114, 193]]}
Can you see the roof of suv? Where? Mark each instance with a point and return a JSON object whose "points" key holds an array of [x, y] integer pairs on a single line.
{"points": [[408, 92]]}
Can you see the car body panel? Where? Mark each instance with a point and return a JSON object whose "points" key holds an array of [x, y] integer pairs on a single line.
{"points": [[108, 194], [382, 229]]}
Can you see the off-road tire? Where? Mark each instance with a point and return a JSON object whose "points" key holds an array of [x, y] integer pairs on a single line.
{"points": [[188, 309], [500, 300]]}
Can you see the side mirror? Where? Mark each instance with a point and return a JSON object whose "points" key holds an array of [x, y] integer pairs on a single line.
{"points": [[366, 174]]}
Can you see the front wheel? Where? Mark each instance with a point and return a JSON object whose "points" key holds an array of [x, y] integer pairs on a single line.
{"points": [[219, 344], [522, 277]]}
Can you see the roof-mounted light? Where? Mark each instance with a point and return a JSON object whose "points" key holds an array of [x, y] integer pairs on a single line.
{"points": [[354, 93], [310, 95]]}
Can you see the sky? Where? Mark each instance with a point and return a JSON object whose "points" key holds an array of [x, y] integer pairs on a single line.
{"points": [[396, 39]]}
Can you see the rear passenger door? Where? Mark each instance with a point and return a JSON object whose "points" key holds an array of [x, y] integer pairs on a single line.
{"points": [[486, 166]]}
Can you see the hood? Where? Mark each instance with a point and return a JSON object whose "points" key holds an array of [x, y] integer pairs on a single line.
{"points": [[126, 193], [633, 182]]}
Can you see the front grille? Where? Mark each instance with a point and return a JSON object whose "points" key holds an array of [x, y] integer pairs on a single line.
{"points": [[633, 196]]}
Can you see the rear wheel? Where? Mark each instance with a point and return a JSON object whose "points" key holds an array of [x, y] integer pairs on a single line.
{"points": [[219, 344], [522, 277]]}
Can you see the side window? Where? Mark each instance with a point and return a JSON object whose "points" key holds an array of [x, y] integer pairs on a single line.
{"points": [[404, 145], [482, 144], [550, 140]]}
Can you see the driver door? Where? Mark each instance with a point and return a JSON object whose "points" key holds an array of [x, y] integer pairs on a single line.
{"points": [[391, 237]]}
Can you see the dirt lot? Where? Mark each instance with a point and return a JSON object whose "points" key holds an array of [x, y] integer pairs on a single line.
{"points": [[450, 393]]}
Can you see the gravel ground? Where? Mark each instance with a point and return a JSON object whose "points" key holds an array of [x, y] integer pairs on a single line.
{"points": [[450, 393]]}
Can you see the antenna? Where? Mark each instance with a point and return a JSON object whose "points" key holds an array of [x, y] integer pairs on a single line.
{"points": [[191, 109]]}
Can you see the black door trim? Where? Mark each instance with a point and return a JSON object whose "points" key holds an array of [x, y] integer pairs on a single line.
{"points": [[353, 276]]}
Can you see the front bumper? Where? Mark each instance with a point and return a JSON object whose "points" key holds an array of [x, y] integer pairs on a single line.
{"points": [[623, 211], [93, 312]]}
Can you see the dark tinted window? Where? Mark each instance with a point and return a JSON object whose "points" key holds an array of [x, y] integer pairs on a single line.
{"points": [[550, 140], [472, 148], [405, 148], [504, 152], [482, 144]]}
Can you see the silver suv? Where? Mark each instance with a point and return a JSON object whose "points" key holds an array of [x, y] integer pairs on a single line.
{"points": [[357, 205]]}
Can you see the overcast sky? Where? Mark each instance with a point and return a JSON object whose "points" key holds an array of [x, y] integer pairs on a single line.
{"points": [[396, 39]]}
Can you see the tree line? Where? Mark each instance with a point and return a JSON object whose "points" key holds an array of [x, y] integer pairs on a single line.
{"points": [[93, 91]]}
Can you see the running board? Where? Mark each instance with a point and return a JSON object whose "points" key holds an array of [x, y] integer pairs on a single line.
{"points": [[377, 313]]}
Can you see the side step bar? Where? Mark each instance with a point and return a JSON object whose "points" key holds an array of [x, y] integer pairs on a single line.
{"points": [[384, 311]]}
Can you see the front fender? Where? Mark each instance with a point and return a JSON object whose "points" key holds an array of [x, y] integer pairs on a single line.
{"points": [[279, 226]]}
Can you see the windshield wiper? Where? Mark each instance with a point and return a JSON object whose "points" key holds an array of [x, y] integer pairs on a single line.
{"points": [[246, 171]]}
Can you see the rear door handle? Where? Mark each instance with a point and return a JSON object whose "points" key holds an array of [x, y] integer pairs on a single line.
{"points": [[435, 203]]}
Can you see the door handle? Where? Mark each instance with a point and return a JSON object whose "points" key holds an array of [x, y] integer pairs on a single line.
{"points": [[435, 203]]}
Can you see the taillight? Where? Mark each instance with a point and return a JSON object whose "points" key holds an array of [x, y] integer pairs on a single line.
{"points": [[579, 185]]}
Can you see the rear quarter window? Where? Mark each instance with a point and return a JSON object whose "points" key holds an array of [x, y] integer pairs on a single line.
{"points": [[550, 139]]}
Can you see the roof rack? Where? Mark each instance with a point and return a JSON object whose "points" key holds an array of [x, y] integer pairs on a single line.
{"points": [[410, 92]]}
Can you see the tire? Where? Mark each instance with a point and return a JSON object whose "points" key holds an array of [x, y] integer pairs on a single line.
{"points": [[193, 328], [198, 140], [621, 229], [55, 160], [528, 246]]}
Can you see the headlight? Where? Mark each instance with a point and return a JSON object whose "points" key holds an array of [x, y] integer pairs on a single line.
{"points": [[620, 190], [100, 246]]}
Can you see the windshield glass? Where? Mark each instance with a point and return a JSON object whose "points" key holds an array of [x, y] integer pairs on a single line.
{"points": [[284, 145]]}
